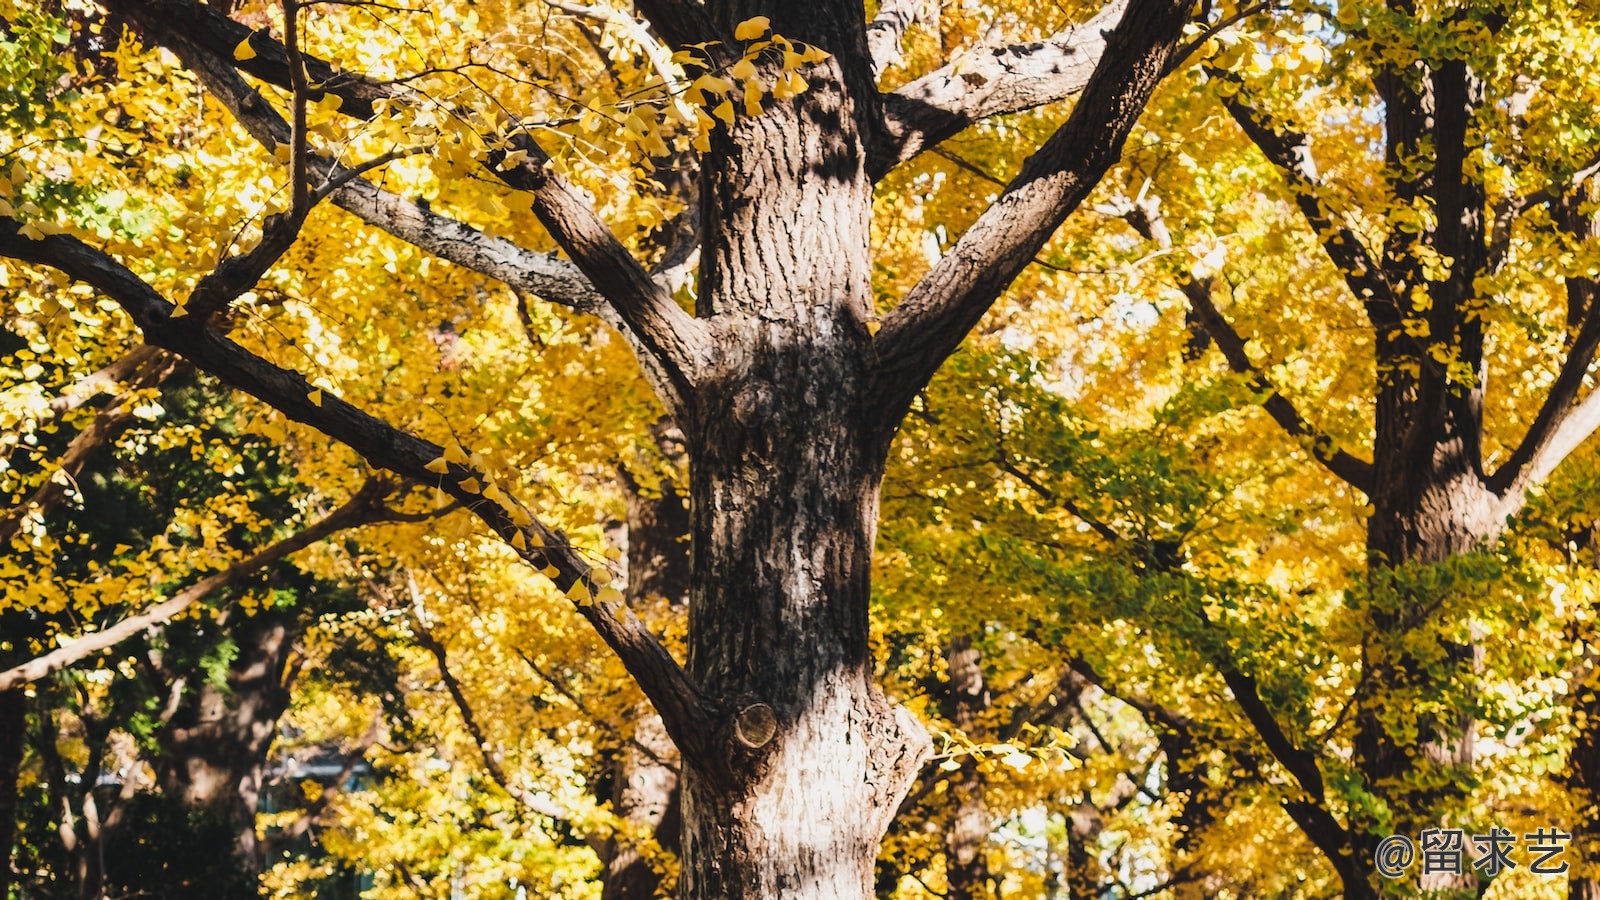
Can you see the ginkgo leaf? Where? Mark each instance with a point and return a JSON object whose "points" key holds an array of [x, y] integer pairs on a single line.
{"points": [[438, 466], [471, 485], [244, 51], [579, 593], [752, 28], [724, 111], [315, 397]]}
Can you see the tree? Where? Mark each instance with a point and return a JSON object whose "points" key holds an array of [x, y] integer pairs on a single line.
{"points": [[1392, 246], [784, 386]]}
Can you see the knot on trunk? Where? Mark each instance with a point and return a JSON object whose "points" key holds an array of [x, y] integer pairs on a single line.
{"points": [[754, 726]]}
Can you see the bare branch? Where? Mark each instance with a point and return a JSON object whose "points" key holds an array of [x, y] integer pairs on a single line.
{"points": [[943, 307], [670, 336], [984, 82], [664, 682], [364, 507], [522, 270]]}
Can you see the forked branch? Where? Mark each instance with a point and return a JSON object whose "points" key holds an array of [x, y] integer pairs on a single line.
{"points": [[983, 82], [944, 306]]}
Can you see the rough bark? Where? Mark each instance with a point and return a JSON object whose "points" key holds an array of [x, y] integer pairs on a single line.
{"points": [[794, 760]]}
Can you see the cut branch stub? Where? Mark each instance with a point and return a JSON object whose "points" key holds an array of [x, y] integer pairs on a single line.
{"points": [[755, 726]]}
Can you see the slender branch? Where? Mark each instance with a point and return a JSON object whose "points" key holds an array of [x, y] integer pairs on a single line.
{"points": [[486, 751], [106, 425], [659, 55], [1290, 153], [980, 83], [364, 507], [1145, 217], [672, 339], [687, 715], [944, 306], [1563, 421]]}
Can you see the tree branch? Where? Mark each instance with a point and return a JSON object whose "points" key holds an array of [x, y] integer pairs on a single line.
{"points": [[936, 315], [663, 681], [980, 83], [1145, 217], [1290, 153], [364, 507], [888, 28], [672, 338], [1563, 422], [679, 22]]}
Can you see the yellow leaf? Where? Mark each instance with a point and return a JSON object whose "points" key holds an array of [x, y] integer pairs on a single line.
{"points": [[244, 51], [471, 485], [550, 571], [315, 397], [752, 98], [519, 540], [609, 595], [750, 29], [744, 70], [724, 111], [439, 466], [455, 454], [579, 593]]}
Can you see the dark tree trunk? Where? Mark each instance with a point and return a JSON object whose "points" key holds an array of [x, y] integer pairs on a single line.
{"points": [[1583, 777], [785, 480], [215, 748], [966, 699], [13, 724]]}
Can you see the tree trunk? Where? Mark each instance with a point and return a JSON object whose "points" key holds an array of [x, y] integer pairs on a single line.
{"points": [[817, 759], [216, 747], [787, 457], [1583, 777], [1431, 504], [13, 722]]}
